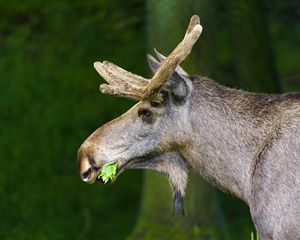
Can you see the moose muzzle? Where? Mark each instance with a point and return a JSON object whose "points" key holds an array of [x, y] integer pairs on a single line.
{"points": [[86, 164]]}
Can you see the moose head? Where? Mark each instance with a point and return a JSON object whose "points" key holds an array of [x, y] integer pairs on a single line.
{"points": [[151, 134]]}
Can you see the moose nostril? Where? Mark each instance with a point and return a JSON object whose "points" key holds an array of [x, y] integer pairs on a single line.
{"points": [[86, 175]]}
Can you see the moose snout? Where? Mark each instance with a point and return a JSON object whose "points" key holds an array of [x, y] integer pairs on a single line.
{"points": [[86, 165], [86, 175]]}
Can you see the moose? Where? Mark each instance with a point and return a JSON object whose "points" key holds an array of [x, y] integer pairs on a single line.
{"points": [[247, 144]]}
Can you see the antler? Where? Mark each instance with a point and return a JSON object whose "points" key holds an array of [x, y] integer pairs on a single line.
{"points": [[161, 58], [126, 84]]}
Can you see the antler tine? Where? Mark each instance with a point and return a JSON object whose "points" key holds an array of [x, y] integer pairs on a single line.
{"points": [[120, 82], [169, 65], [126, 76], [120, 92], [115, 75]]}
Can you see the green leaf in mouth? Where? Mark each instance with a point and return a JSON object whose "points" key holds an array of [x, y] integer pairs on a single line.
{"points": [[108, 172]]}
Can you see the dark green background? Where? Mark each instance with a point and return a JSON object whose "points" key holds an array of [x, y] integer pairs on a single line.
{"points": [[50, 102]]}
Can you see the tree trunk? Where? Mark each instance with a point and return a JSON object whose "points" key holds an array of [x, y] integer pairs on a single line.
{"points": [[167, 22], [253, 49]]}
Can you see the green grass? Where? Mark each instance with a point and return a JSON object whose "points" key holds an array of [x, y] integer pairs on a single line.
{"points": [[253, 236]]}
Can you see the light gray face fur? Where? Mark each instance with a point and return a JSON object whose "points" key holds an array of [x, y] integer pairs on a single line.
{"points": [[245, 143], [144, 137]]}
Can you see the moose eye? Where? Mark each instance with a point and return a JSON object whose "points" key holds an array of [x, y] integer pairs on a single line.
{"points": [[146, 115]]}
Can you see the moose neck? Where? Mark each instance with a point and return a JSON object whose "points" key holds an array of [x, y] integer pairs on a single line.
{"points": [[225, 135]]}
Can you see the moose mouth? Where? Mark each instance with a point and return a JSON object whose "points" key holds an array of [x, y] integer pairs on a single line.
{"points": [[139, 162], [108, 173], [105, 176]]}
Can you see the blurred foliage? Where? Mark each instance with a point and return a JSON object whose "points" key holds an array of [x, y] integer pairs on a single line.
{"points": [[49, 103], [284, 26]]}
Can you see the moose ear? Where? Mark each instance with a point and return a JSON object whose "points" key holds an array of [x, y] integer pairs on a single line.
{"points": [[176, 85], [153, 63], [161, 58]]}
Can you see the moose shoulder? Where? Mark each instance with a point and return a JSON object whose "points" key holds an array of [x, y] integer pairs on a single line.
{"points": [[245, 143]]}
